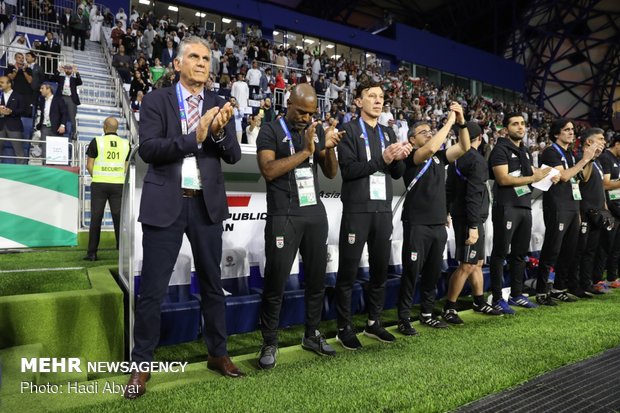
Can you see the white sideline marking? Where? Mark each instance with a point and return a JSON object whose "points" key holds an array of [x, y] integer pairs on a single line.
{"points": [[44, 269]]}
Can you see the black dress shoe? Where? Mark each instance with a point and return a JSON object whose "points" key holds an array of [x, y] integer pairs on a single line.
{"points": [[90, 257], [224, 365]]}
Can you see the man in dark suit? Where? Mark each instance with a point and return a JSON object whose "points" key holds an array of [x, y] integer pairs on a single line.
{"points": [[79, 25], [51, 115], [50, 58], [168, 54], [65, 25], [11, 108], [184, 135], [67, 88]]}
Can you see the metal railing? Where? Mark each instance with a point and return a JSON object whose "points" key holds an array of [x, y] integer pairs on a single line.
{"points": [[38, 24], [7, 36], [35, 160], [99, 93], [47, 60]]}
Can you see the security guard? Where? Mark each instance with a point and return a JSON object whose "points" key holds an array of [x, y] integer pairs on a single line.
{"points": [[107, 163]]}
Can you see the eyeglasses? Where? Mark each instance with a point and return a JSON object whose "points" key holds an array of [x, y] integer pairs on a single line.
{"points": [[425, 132]]}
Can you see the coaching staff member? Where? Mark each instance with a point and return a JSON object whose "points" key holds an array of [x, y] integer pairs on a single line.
{"points": [[468, 199], [288, 152], [560, 213], [368, 156], [184, 135], [512, 170]]}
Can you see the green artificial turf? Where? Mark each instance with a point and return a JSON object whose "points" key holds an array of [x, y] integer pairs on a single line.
{"points": [[32, 282], [437, 371]]}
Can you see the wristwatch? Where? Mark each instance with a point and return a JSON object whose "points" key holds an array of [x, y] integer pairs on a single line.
{"points": [[462, 125]]}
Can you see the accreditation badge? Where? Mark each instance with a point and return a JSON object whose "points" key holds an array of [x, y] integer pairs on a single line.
{"points": [[614, 194], [523, 189], [304, 179], [575, 189], [377, 186], [190, 175]]}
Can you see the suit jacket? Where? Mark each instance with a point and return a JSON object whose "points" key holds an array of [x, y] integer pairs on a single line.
{"points": [[163, 147], [58, 113], [64, 22], [54, 48], [13, 121], [38, 76], [73, 84], [166, 57]]}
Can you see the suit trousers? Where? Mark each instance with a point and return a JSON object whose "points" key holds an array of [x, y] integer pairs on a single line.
{"points": [[284, 236], [512, 229], [18, 147], [161, 248], [559, 247], [374, 228], [100, 193], [423, 247], [71, 112]]}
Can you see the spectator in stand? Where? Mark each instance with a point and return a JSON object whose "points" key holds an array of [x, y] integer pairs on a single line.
{"points": [[307, 78], [386, 115], [238, 117], [21, 78], [168, 54], [66, 88], [320, 85], [351, 115], [4, 15], [253, 78], [136, 104], [122, 17], [266, 111], [122, 63], [230, 40], [134, 16], [117, 35], [65, 26], [147, 41], [51, 48], [251, 131], [240, 91], [96, 22], [280, 83], [265, 82], [12, 106], [157, 71], [79, 25], [138, 84]]}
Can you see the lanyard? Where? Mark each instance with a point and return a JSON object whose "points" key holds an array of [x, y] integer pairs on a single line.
{"points": [[413, 182], [600, 171], [458, 172], [290, 141], [366, 138], [557, 148], [182, 113]]}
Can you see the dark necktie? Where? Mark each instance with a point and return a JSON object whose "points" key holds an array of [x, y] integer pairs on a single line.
{"points": [[2, 102]]}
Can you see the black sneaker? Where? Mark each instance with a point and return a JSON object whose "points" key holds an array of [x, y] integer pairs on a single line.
{"points": [[432, 322], [562, 296], [377, 331], [348, 338], [405, 328], [545, 299], [580, 293], [267, 357], [451, 316], [318, 344], [486, 309]]}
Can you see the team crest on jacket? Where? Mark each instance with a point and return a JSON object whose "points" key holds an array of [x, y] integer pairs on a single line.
{"points": [[351, 239], [584, 227], [280, 242], [285, 139], [561, 226], [472, 254], [414, 256], [508, 224]]}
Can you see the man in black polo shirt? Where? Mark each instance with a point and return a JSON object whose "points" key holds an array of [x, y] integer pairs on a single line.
{"points": [[609, 250], [368, 155], [468, 200], [424, 216], [288, 152], [511, 168], [595, 218], [560, 213]]}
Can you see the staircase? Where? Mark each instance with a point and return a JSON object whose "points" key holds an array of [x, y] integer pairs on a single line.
{"points": [[99, 99]]}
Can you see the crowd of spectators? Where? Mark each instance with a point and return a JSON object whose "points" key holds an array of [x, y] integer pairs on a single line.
{"points": [[243, 66]]}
